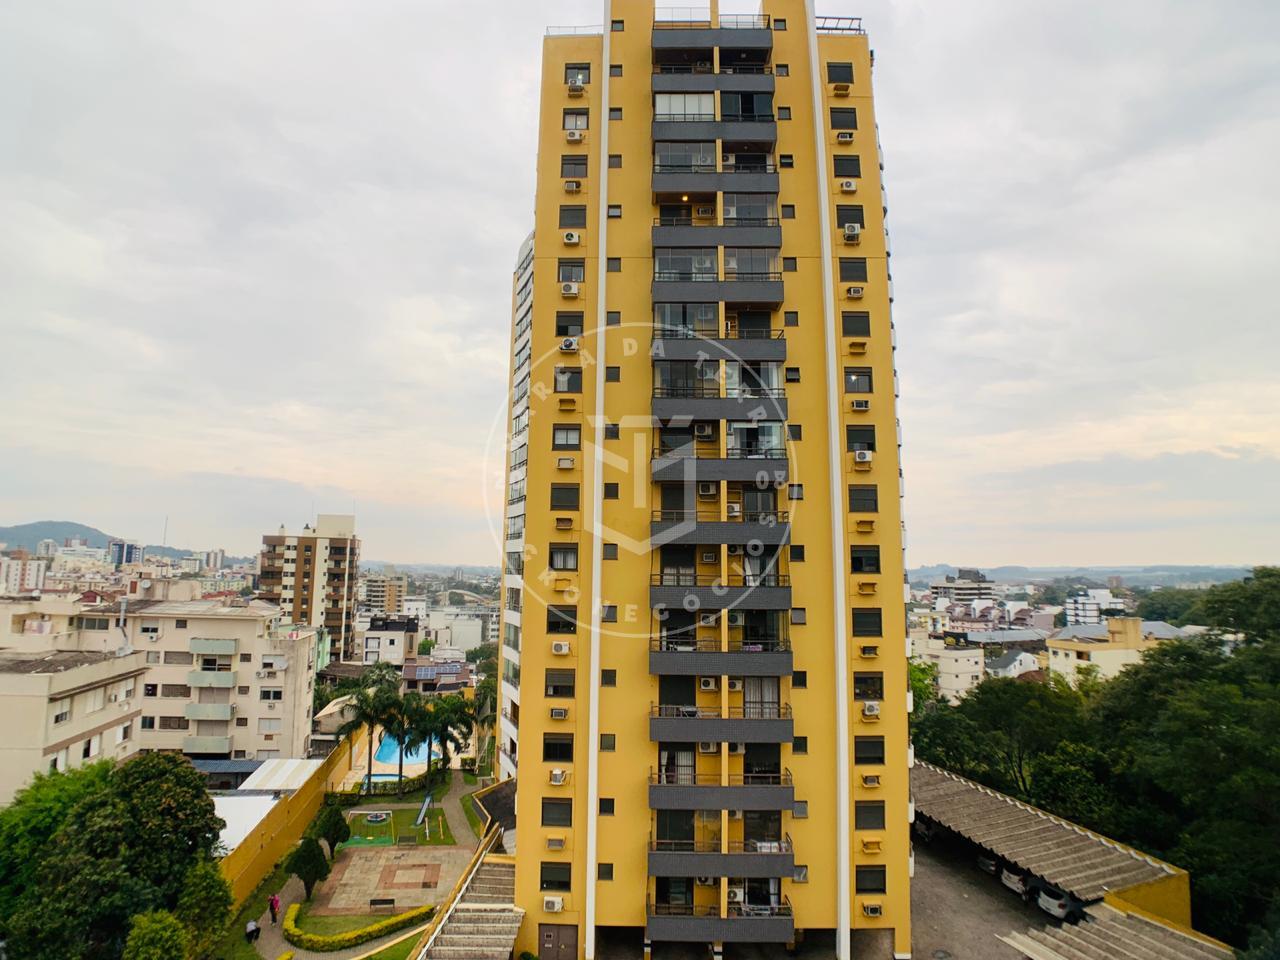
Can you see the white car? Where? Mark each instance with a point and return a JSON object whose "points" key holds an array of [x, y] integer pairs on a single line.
{"points": [[1056, 903], [1016, 882]]}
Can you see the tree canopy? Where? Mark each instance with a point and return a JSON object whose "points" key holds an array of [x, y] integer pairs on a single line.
{"points": [[308, 863]]}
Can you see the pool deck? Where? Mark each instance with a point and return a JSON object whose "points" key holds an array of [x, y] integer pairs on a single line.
{"points": [[359, 766]]}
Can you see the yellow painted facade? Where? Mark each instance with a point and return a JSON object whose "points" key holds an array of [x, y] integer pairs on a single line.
{"points": [[616, 756]]}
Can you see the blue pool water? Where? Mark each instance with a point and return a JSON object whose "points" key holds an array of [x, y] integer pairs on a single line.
{"points": [[389, 752]]}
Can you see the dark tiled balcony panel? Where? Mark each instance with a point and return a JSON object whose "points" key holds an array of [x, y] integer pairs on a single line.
{"points": [[670, 468], [719, 348], [704, 36], [760, 793], [721, 597], [726, 291], [705, 82], [684, 724], [742, 131], [718, 235], [669, 526], [713, 863], [721, 408], [697, 660], [710, 929], [729, 181]]}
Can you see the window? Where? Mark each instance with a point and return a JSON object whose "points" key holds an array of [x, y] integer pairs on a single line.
{"points": [[271, 693], [613, 265], [844, 118], [616, 25], [786, 160], [791, 318], [797, 553], [782, 70], [868, 815], [685, 106], [176, 690], [615, 113], [568, 324], [178, 657], [604, 871], [799, 744], [564, 496], [800, 809], [864, 559], [92, 746], [610, 551], [615, 161], [611, 491], [784, 113], [246, 658], [795, 491], [779, 23], [869, 879], [863, 498], [562, 619], [555, 876], [615, 211], [857, 379], [153, 656], [564, 556], [867, 623], [560, 683], [799, 615], [856, 324], [174, 723], [606, 806], [613, 318], [788, 211], [792, 375], [577, 73], [180, 624], [566, 436], [571, 271], [859, 438], [568, 379], [839, 73], [847, 213], [615, 69], [573, 167], [848, 165], [609, 613], [575, 119], [62, 711], [868, 750], [608, 742], [612, 374], [558, 748], [788, 264], [794, 431], [868, 686], [800, 873], [800, 679], [573, 216], [557, 813], [148, 723], [611, 431], [853, 268], [608, 678]]}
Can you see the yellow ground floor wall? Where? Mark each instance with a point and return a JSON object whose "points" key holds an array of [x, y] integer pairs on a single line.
{"points": [[1166, 900]]}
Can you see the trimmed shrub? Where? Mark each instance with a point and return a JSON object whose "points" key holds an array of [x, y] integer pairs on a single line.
{"points": [[321, 942]]}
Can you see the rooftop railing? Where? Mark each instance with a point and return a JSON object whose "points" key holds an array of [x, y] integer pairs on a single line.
{"points": [[686, 777], [839, 24]]}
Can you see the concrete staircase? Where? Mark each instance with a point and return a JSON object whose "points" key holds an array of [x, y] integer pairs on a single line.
{"points": [[483, 925]]}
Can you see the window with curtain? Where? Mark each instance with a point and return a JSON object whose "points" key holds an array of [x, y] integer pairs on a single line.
{"points": [[684, 106]]}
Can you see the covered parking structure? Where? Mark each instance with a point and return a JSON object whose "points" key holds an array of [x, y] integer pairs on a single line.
{"points": [[1111, 934]]}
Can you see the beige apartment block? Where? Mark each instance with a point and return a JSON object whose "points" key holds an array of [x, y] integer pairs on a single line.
{"points": [[385, 594], [61, 709], [312, 575], [1105, 648]]}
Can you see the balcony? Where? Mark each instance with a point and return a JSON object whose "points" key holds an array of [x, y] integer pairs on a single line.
{"points": [[747, 128], [743, 923], [208, 711], [689, 463], [768, 656], [689, 591], [752, 723], [732, 232], [681, 28], [214, 679], [206, 744], [699, 78], [770, 527], [745, 288], [213, 646], [707, 400], [705, 178], [731, 342], [683, 790], [697, 858]]}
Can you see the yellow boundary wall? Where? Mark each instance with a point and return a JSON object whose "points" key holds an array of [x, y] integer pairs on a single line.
{"points": [[256, 856], [1165, 900]]}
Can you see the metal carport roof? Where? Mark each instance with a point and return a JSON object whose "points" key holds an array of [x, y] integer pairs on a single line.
{"points": [[1110, 934]]}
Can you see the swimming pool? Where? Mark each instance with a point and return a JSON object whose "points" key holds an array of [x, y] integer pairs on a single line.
{"points": [[389, 752]]}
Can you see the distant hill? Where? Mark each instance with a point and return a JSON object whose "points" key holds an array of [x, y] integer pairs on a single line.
{"points": [[468, 570], [1170, 575], [26, 536]]}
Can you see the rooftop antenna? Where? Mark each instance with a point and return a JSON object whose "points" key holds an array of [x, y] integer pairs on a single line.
{"points": [[164, 537]]}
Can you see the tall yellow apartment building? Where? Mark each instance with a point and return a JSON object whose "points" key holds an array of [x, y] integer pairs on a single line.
{"points": [[704, 656]]}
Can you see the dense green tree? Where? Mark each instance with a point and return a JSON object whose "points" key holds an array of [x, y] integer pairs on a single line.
{"points": [[156, 936], [922, 679], [486, 651], [425, 646], [1172, 605], [1073, 782], [1250, 606], [332, 827], [204, 907], [308, 863]]}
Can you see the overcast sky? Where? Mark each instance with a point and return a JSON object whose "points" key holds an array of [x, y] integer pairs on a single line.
{"points": [[255, 263]]}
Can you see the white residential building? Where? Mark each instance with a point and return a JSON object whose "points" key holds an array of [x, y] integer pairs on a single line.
{"points": [[960, 668], [22, 575], [1014, 663], [1089, 606]]}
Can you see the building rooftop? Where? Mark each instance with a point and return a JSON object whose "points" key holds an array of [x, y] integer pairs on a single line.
{"points": [[1024, 635], [250, 609], [1098, 633], [56, 661], [1006, 660], [281, 774], [1071, 858], [1112, 933]]}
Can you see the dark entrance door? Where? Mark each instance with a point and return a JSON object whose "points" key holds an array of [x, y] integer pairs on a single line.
{"points": [[557, 941]]}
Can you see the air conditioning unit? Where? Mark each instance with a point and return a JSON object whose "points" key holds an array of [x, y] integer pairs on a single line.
{"points": [[259, 674], [560, 648], [708, 489], [576, 89], [707, 746], [572, 186], [710, 556], [872, 909], [871, 708], [863, 456], [737, 749], [552, 904], [564, 523], [737, 895], [572, 238], [853, 293], [578, 136], [703, 213], [735, 814], [564, 463], [559, 713], [569, 345], [848, 186], [857, 346], [852, 233], [568, 289], [844, 136], [706, 619], [735, 549], [708, 683], [868, 652], [704, 431], [707, 881], [840, 89], [271, 706], [736, 618], [555, 843], [558, 778], [871, 779], [735, 685], [733, 509], [861, 406]]}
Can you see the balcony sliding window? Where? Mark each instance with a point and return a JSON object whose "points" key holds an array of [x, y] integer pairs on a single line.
{"points": [[750, 209], [746, 106], [761, 438], [682, 321], [751, 379], [751, 263], [692, 157], [684, 106], [686, 378], [685, 263]]}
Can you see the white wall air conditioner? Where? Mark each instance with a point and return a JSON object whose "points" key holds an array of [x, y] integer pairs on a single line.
{"points": [[863, 456], [576, 89], [861, 406], [703, 213], [271, 706], [569, 345], [259, 674], [560, 648], [840, 89], [708, 683], [848, 186], [572, 186], [871, 708], [708, 489], [853, 293], [735, 549], [559, 713], [558, 778], [737, 749], [872, 909], [733, 509], [736, 618], [552, 904], [735, 685], [844, 136], [706, 619], [555, 843], [871, 779], [564, 463], [710, 556], [577, 136], [707, 746], [735, 814], [572, 238], [852, 233], [707, 882], [737, 895], [568, 289], [704, 430]]}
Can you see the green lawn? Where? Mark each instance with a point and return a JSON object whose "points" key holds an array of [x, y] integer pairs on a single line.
{"points": [[473, 815], [469, 778], [415, 796], [331, 925], [233, 946], [398, 951], [364, 833], [434, 831]]}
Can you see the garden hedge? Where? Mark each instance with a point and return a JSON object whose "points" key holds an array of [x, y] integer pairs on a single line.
{"points": [[352, 938]]}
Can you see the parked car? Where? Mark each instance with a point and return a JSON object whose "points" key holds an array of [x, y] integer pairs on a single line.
{"points": [[1019, 883], [925, 831], [988, 863], [1058, 904]]}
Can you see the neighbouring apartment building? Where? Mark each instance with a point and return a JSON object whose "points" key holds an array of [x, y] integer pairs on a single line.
{"points": [[312, 576], [704, 685], [1091, 606], [960, 665], [390, 639], [1107, 647], [21, 573], [385, 594]]}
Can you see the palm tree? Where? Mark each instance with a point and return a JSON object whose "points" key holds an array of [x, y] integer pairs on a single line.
{"points": [[456, 722], [396, 724], [420, 724], [367, 708]]}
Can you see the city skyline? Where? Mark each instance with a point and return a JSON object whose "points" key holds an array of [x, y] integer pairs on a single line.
{"points": [[1057, 257]]}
